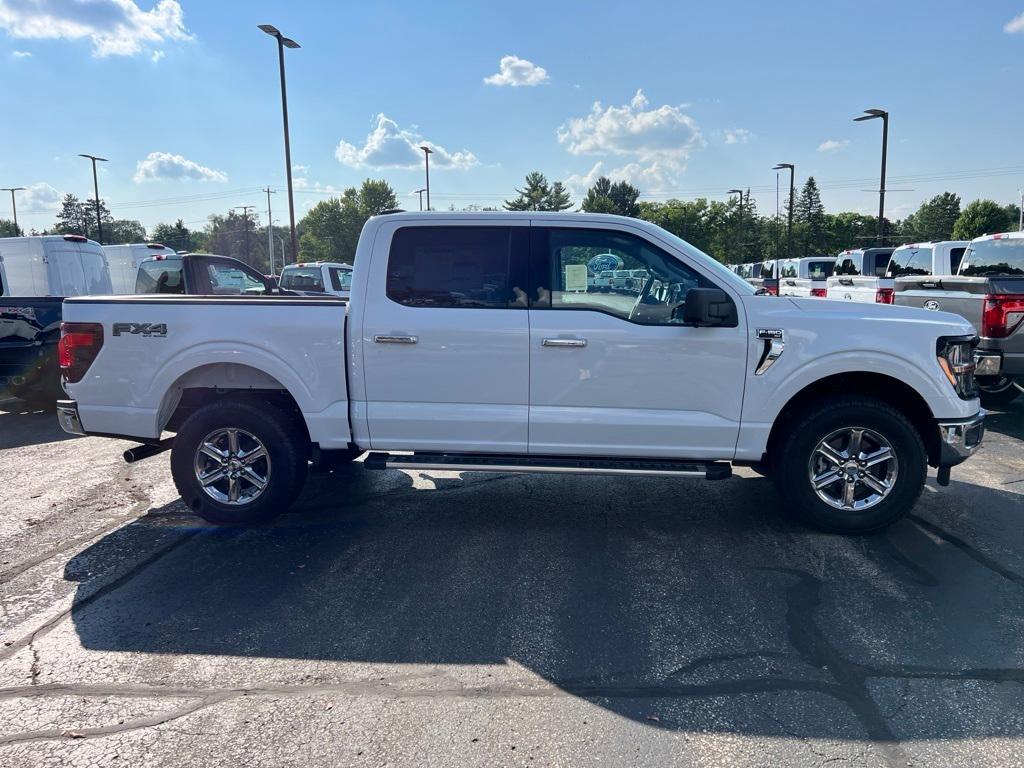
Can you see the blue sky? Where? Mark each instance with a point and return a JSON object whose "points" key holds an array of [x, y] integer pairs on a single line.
{"points": [[683, 99]]}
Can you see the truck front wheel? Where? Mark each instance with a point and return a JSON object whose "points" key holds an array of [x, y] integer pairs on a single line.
{"points": [[238, 463], [850, 465]]}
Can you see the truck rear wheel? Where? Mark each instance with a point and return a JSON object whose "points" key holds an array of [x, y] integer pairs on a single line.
{"points": [[850, 465], [238, 463], [996, 391]]}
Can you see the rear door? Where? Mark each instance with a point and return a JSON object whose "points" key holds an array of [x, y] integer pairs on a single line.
{"points": [[445, 337], [616, 374]]}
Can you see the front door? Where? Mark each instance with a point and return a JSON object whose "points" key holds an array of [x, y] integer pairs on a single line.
{"points": [[445, 339], [614, 372]]}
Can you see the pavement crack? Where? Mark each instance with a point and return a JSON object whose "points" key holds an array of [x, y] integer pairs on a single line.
{"points": [[968, 549]]}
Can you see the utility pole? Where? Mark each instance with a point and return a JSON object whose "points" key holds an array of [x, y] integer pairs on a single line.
{"points": [[739, 224], [873, 114], [789, 225], [270, 231], [14, 207], [245, 218], [96, 192], [1020, 223], [427, 152]]}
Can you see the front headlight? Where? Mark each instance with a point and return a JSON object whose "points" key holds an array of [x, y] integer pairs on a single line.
{"points": [[956, 359]]}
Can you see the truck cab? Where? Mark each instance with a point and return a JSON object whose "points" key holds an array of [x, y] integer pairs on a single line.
{"points": [[859, 275], [806, 277], [124, 261], [200, 274]]}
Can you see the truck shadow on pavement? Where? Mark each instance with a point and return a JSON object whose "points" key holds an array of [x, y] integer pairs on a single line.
{"points": [[680, 605], [1009, 421]]}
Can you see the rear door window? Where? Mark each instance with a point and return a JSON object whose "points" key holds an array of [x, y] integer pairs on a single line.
{"points": [[160, 277], [454, 267], [227, 279]]}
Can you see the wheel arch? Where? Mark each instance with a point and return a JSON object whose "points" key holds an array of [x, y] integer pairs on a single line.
{"points": [[888, 389]]}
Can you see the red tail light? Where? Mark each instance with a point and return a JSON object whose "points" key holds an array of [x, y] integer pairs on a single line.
{"points": [[1002, 315], [78, 347], [885, 296], [819, 293]]}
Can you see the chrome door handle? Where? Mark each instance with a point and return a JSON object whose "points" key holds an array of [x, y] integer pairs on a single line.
{"points": [[564, 343], [395, 339]]}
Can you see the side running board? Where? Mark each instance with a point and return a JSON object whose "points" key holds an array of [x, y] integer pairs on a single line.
{"points": [[461, 462]]}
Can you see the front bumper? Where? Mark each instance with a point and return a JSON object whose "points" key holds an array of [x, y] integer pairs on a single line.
{"points": [[67, 417], [959, 439]]}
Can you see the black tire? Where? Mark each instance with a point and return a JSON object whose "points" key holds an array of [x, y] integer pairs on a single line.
{"points": [[792, 464], [286, 447], [996, 392]]}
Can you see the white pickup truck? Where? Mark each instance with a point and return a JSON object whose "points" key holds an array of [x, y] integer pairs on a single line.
{"points": [[806, 277], [859, 275], [462, 349]]}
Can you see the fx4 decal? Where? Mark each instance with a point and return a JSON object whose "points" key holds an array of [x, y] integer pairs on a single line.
{"points": [[149, 330]]}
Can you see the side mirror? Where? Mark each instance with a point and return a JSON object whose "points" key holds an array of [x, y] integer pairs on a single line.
{"points": [[708, 306]]}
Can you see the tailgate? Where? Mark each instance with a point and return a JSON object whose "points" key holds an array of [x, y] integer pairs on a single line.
{"points": [[854, 288]]}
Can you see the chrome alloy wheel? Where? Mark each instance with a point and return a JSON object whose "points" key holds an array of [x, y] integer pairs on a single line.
{"points": [[232, 466], [853, 468]]}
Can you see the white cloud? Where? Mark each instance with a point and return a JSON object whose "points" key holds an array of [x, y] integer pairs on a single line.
{"points": [[115, 27], [833, 145], [39, 198], [20, 54], [389, 146], [163, 166], [157, 55], [654, 143], [1015, 25], [516, 72], [737, 136]]}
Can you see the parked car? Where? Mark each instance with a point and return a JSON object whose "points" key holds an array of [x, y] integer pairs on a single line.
{"points": [[988, 290], [478, 359], [124, 261], [36, 273], [318, 277], [924, 259], [807, 276], [200, 274], [602, 281], [766, 280], [859, 275]]}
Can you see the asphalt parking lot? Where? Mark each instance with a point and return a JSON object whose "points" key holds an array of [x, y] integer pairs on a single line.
{"points": [[428, 619]]}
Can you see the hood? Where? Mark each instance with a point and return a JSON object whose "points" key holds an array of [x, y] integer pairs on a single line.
{"points": [[811, 313]]}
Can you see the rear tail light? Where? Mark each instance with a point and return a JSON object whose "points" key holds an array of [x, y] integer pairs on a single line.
{"points": [[819, 293], [885, 296], [78, 347], [1002, 315]]}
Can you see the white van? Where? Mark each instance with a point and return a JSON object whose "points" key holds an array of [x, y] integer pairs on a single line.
{"points": [[124, 261], [53, 265], [318, 277]]}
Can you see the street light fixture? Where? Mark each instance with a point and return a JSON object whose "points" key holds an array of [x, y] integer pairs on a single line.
{"points": [[739, 226], [420, 193], [14, 207], [96, 192], [872, 114], [282, 43], [427, 152], [789, 227]]}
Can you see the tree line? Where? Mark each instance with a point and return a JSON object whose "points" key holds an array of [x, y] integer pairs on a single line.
{"points": [[733, 231]]}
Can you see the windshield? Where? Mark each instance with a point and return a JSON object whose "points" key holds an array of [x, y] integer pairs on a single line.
{"points": [[303, 279], [994, 257], [719, 269], [910, 262]]}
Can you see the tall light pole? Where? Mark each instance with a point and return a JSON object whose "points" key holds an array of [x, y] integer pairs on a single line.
{"points": [[420, 193], [14, 206], [427, 152], [282, 43], [739, 225], [872, 114], [270, 229], [789, 226], [96, 192]]}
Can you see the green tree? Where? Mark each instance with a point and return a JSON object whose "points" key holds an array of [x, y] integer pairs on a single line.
{"points": [[605, 197], [7, 229], [330, 230], [176, 236], [809, 214], [984, 217], [120, 231], [934, 220], [538, 195], [79, 218]]}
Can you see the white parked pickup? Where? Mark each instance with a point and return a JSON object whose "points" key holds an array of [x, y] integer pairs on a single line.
{"points": [[806, 277], [859, 275], [470, 343]]}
